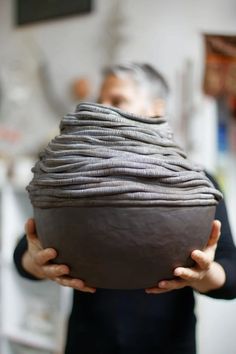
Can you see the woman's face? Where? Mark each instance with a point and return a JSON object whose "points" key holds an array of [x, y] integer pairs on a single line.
{"points": [[125, 94]]}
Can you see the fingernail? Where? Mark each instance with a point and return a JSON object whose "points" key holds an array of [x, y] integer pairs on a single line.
{"points": [[65, 270], [195, 253], [52, 252], [177, 272], [93, 291], [162, 284]]}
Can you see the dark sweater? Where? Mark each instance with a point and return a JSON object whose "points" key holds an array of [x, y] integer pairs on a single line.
{"points": [[133, 322]]}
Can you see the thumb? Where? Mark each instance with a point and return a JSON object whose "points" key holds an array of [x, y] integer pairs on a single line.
{"points": [[30, 230], [215, 234]]}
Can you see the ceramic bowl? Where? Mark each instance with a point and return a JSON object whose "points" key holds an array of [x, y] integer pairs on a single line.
{"points": [[124, 247]]}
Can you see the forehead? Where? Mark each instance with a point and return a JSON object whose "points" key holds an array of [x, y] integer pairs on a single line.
{"points": [[118, 83]]}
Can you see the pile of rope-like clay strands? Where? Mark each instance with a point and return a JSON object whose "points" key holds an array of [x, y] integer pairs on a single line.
{"points": [[105, 156]]}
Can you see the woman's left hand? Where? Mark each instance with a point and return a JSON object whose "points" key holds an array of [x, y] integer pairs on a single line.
{"points": [[206, 275]]}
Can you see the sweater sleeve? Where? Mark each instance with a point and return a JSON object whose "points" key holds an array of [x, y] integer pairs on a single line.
{"points": [[225, 253], [20, 249]]}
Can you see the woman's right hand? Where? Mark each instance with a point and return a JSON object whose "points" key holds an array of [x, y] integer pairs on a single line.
{"points": [[36, 261]]}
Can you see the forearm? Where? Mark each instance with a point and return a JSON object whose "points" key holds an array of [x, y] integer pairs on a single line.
{"points": [[228, 290], [225, 254]]}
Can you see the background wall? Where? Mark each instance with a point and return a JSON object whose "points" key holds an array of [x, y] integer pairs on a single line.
{"points": [[167, 34]]}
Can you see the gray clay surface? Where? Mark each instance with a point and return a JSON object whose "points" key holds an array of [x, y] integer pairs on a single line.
{"points": [[119, 200]]}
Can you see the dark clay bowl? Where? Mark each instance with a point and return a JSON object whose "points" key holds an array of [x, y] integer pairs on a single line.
{"points": [[124, 247]]}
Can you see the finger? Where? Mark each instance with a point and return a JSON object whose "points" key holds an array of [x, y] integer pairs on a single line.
{"points": [[188, 274], [30, 226], [44, 256], [215, 234], [80, 285], [54, 270], [88, 289], [156, 291], [202, 259], [167, 285], [31, 233], [75, 284], [172, 284]]}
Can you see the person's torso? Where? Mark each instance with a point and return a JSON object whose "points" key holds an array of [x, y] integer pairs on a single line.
{"points": [[127, 322]]}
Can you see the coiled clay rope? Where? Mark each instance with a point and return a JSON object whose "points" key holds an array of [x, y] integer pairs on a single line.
{"points": [[104, 156]]}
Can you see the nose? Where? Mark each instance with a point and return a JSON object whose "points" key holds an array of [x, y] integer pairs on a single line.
{"points": [[105, 102]]}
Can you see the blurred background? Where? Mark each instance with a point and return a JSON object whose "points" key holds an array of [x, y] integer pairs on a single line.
{"points": [[51, 57]]}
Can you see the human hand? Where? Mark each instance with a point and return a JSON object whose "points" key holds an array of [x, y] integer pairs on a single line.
{"points": [[206, 274], [36, 261]]}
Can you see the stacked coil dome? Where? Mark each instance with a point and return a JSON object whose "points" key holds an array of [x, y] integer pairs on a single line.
{"points": [[107, 157]]}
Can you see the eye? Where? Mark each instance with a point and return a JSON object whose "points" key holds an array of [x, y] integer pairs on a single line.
{"points": [[118, 101]]}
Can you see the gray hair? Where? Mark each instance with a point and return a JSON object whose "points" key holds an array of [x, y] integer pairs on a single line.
{"points": [[144, 75]]}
